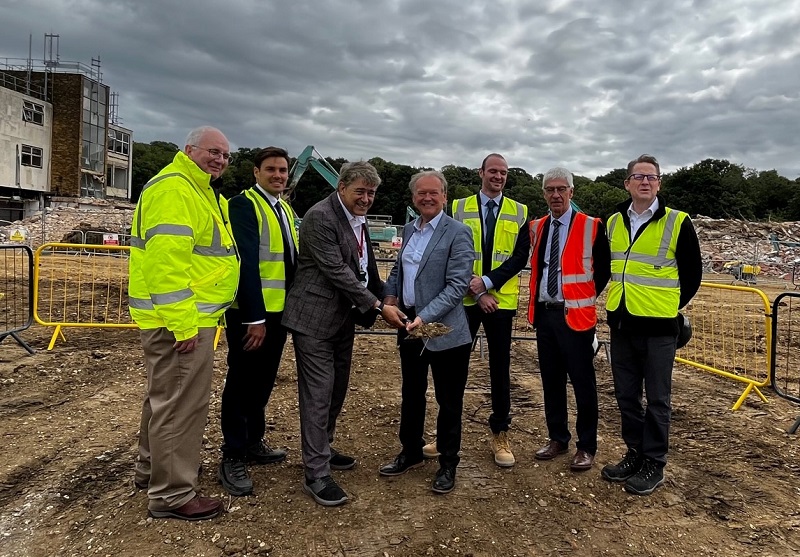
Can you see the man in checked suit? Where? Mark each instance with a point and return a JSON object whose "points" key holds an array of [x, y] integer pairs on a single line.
{"points": [[263, 226], [570, 266], [336, 287], [428, 282]]}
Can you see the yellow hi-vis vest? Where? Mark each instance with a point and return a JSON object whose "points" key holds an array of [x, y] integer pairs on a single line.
{"points": [[271, 262], [183, 268], [645, 272], [510, 218]]}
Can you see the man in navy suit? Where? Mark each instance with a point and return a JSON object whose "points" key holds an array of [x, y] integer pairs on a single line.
{"points": [[263, 226], [428, 283]]}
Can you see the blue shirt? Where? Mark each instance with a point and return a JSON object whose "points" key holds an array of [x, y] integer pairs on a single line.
{"points": [[412, 255]]}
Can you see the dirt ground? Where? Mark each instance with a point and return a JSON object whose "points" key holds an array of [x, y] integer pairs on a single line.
{"points": [[69, 421]]}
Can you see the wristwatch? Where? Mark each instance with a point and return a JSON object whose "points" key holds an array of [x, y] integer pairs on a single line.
{"points": [[380, 307]]}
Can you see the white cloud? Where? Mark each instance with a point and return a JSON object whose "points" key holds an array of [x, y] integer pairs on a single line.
{"points": [[571, 82]]}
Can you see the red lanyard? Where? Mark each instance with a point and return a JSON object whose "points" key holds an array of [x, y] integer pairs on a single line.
{"points": [[361, 242]]}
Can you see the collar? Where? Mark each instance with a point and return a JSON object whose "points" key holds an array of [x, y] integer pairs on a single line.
{"points": [[271, 198], [484, 199], [351, 218], [652, 208], [566, 218], [434, 222]]}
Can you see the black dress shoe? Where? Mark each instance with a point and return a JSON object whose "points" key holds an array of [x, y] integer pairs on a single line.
{"points": [[400, 465], [550, 451], [445, 480]]}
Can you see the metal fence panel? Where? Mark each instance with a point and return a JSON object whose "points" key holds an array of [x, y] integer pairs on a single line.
{"points": [[16, 291]]}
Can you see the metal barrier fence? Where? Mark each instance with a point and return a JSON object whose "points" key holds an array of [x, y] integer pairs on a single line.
{"points": [[732, 330], [16, 292], [785, 365], [86, 291]]}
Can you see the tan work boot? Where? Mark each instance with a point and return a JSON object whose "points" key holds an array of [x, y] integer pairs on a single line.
{"points": [[430, 451], [503, 456]]}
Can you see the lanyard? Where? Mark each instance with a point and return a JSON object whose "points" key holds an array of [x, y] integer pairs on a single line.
{"points": [[361, 242]]}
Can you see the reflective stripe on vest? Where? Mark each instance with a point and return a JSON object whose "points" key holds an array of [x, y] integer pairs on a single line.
{"points": [[577, 273], [645, 272], [466, 210]]}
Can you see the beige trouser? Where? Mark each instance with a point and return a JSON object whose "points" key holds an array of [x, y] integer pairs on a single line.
{"points": [[174, 416]]}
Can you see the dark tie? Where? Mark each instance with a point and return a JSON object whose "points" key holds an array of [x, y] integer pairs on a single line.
{"points": [[488, 241], [288, 252], [552, 268]]}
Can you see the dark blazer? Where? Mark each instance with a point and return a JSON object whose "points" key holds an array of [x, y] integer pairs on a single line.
{"points": [[244, 224], [441, 282], [326, 285], [601, 258]]}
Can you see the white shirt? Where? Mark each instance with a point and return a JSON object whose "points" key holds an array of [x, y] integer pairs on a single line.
{"points": [[563, 232], [412, 255], [638, 220], [356, 223]]}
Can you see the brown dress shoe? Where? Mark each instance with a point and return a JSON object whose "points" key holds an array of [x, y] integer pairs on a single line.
{"points": [[550, 451], [582, 461], [199, 508]]}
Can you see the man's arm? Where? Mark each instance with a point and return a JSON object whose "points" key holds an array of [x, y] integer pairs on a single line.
{"points": [[601, 259], [319, 238], [689, 260], [514, 264]]}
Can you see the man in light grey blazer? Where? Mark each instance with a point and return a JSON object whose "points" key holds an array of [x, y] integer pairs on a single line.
{"points": [[428, 283], [336, 287]]}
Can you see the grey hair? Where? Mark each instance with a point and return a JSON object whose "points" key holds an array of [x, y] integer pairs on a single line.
{"points": [[351, 172], [196, 134], [419, 175], [558, 172]]}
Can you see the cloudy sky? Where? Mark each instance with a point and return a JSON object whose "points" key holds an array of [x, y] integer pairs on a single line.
{"points": [[586, 84]]}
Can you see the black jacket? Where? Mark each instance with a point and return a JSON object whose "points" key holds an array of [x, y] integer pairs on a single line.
{"points": [[690, 274]]}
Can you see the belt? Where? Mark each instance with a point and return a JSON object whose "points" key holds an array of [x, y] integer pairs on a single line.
{"points": [[552, 305]]}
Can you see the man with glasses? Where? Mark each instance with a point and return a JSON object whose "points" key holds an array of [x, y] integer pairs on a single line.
{"points": [[184, 270], [570, 266], [656, 269]]}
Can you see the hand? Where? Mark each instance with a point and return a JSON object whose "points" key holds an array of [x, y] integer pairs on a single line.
{"points": [[393, 316], [414, 324], [476, 285], [185, 346], [254, 337], [488, 303]]}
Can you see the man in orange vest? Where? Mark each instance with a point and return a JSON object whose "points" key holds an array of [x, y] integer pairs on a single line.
{"points": [[570, 266]]}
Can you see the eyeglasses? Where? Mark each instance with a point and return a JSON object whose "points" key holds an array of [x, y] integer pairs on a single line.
{"points": [[214, 152], [643, 177], [560, 190]]}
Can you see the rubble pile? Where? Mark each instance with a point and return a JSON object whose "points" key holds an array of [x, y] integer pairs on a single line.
{"points": [[60, 224]]}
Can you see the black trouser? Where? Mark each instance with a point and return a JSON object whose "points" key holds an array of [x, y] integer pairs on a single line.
{"points": [[640, 360], [449, 369], [566, 353], [497, 326], [249, 383]]}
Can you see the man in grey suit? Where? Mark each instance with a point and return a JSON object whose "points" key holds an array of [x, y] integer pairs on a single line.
{"points": [[336, 287], [429, 282]]}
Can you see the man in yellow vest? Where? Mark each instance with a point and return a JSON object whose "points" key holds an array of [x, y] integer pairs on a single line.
{"points": [[570, 266], [656, 269], [500, 233], [263, 227], [184, 271]]}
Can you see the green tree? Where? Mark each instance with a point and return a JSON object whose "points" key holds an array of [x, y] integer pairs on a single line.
{"points": [[599, 199], [615, 178]]}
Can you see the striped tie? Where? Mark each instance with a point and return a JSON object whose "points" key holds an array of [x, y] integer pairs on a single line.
{"points": [[552, 268]]}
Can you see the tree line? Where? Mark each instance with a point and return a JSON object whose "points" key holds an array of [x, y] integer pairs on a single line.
{"points": [[712, 187]]}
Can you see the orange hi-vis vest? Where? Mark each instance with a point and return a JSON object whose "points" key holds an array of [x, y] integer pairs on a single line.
{"points": [[577, 273]]}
